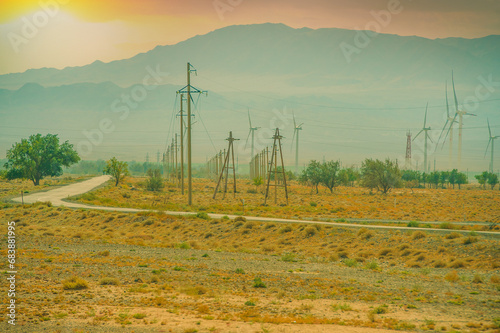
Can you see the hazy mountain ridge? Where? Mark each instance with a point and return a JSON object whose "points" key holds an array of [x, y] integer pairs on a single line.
{"points": [[345, 105], [278, 50]]}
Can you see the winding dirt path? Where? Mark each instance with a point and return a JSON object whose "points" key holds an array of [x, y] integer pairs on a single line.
{"points": [[56, 197]]}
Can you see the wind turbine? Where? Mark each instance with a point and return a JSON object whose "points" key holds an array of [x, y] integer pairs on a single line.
{"points": [[425, 129], [460, 114], [251, 132], [296, 130], [492, 141], [451, 120]]}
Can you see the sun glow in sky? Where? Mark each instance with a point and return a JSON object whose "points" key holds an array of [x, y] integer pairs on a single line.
{"points": [[60, 33]]}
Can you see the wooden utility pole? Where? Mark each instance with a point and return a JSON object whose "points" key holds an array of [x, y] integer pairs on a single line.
{"points": [[182, 145], [225, 168], [274, 164], [190, 181]]}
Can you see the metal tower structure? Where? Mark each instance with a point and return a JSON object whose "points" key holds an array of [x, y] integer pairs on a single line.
{"points": [[408, 151], [273, 169], [226, 166]]}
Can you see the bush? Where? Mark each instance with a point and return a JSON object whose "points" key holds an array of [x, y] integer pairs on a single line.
{"points": [[310, 231], [413, 224], [257, 283], [380, 309], [418, 235], [470, 240], [285, 229], [351, 262], [372, 265], [313, 204], [457, 264], [183, 245], [75, 283], [240, 219], [288, 257], [108, 281], [202, 215], [154, 181], [452, 276], [453, 235]]}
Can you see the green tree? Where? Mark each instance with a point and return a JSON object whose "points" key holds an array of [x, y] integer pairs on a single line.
{"points": [[434, 178], [154, 181], [492, 180], [482, 178], [453, 177], [443, 178], [118, 170], [312, 174], [38, 157], [461, 179], [330, 175], [348, 176], [381, 175]]}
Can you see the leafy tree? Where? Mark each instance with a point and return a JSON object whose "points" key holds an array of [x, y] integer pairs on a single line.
{"points": [[382, 175], [434, 178], [492, 180], [411, 178], [443, 178], [154, 181], [453, 177], [348, 176], [461, 179], [38, 157], [312, 174], [118, 170], [329, 174], [482, 178]]}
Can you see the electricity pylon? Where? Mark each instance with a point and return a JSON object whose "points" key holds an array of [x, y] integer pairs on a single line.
{"points": [[225, 168], [274, 163]]}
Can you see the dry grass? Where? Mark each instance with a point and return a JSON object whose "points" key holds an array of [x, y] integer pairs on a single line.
{"points": [[347, 202], [75, 283]]}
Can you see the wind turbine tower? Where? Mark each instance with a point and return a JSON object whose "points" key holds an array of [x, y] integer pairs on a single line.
{"points": [[460, 114], [251, 132], [296, 130], [426, 136], [492, 141], [449, 120]]}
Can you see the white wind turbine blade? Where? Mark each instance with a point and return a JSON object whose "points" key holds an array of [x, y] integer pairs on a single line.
{"points": [[249, 120], [486, 151], [249, 132], [489, 129], [452, 122], [417, 134], [454, 93], [425, 117]]}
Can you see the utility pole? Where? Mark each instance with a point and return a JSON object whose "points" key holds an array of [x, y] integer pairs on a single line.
{"points": [[274, 163], [182, 145], [226, 167], [188, 89], [176, 153]]}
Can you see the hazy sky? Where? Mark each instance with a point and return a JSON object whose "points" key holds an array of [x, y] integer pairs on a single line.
{"points": [[60, 33]]}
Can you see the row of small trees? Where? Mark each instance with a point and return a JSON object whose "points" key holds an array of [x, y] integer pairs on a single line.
{"points": [[328, 174], [384, 176], [41, 156], [414, 178]]}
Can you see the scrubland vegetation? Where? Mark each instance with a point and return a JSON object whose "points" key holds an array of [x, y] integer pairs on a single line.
{"points": [[93, 271]]}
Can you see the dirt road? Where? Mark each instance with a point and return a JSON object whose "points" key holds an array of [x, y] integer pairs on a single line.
{"points": [[56, 197]]}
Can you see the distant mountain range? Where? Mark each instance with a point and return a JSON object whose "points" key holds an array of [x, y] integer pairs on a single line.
{"points": [[353, 107]]}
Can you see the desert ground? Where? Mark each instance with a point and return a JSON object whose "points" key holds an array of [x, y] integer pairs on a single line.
{"points": [[85, 270]]}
